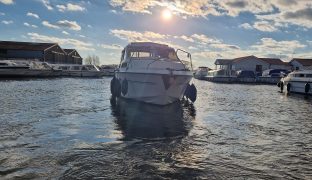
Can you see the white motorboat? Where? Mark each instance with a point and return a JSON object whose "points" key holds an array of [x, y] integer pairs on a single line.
{"points": [[108, 70], [201, 72], [23, 68], [76, 70], [297, 82], [152, 73]]}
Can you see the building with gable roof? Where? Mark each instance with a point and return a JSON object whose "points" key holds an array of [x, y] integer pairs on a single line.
{"points": [[250, 63], [45, 52], [72, 57], [301, 64]]}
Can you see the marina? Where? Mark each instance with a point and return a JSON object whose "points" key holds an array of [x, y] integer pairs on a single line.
{"points": [[67, 129], [155, 89]]}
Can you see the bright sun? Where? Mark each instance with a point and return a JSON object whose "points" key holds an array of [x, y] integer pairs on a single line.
{"points": [[166, 14]]}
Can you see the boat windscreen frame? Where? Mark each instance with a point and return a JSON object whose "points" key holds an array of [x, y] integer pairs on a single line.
{"points": [[188, 55]]}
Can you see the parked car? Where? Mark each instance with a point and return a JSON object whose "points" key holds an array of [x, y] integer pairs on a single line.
{"points": [[245, 74], [275, 73]]}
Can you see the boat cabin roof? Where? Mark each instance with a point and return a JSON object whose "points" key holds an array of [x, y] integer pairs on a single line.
{"points": [[146, 46]]}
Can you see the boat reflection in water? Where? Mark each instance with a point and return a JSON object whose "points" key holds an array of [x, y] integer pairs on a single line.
{"points": [[138, 120]]}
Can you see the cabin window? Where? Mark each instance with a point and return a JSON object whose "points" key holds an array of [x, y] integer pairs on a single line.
{"points": [[3, 51], [124, 65], [308, 75], [298, 75], [3, 64], [76, 68], [84, 68], [166, 53], [140, 54], [258, 68], [64, 67]]}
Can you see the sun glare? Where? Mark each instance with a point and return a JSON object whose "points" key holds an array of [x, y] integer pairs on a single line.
{"points": [[166, 14]]}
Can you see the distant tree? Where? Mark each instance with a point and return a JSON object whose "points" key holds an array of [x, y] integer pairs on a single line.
{"points": [[94, 60]]}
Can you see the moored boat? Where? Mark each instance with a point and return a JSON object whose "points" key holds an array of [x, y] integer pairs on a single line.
{"points": [[108, 70], [152, 73], [76, 70], [297, 82], [201, 72], [25, 69]]}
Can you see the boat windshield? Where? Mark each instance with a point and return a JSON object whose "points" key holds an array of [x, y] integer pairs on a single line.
{"points": [[155, 53]]}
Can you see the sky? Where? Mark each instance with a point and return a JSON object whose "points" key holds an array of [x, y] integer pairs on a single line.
{"points": [[208, 29]]}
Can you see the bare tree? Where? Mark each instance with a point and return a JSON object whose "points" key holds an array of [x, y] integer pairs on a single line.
{"points": [[95, 60]]}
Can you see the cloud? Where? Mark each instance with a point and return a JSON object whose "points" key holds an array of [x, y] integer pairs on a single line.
{"points": [[192, 48], [237, 4], [64, 32], [49, 25], [185, 38], [64, 23], [69, 24], [245, 26], [270, 14], [33, 15], [197, 8], [297, 13], [111, 47], [7, 22], [79, 45], [265, 26], [138, 6], [132, 36], [70, 7], [30, 25], [277, 47], [2, 14], [225, 46], [7, 2], [47, 4], [203, 39]]}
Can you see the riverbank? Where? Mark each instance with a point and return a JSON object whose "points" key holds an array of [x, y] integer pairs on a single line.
{"points": [[258, 80]]}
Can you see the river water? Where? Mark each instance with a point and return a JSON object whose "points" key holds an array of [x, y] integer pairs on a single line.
{"points": [[68, 129]]}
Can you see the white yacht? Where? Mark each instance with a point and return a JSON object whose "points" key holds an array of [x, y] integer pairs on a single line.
{"points": [[152, 73], [297, 82], [108, 70], [201, 72], [24, 68], [76, 70]]}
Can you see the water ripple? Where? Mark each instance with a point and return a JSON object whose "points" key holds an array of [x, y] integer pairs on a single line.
{"points": [[67, 129]]}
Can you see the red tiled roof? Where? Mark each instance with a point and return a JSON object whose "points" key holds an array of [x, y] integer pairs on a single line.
{"points": [[304, 62], [25, 45], [274, 61]]}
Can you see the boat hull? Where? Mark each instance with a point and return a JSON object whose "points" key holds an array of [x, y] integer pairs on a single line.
{"points": [[298, 87], [25, 73], [82, 73], [160, 89]]}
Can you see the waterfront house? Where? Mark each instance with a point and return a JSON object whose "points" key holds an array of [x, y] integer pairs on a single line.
{"points": [[275, 63], [45, 52], [225, 65], [249, 63], [301, 64], [72, 57]]}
